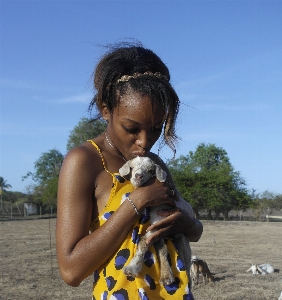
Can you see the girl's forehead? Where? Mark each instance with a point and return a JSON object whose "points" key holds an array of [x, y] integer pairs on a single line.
{"points": [[139, 107], [135, 99]]}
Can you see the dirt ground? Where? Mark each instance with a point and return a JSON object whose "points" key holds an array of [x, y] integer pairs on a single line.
{"points": [[29, 267]]}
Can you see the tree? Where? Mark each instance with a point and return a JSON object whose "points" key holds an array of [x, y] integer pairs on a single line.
{"points": [[47, 169], [85, 130], [3, 186], [277, 202], [34, 194], [208, 181], [49, 192], [267, 202], [15, 199], [47, 166]]}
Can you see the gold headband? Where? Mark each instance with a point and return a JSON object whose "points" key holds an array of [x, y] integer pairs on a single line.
{"points": [[125, 78]]}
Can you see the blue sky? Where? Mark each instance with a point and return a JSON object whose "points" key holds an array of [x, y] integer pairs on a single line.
{"points": [[225, 59]]}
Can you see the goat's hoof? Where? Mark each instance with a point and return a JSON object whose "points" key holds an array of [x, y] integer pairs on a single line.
{"points": [[128, 271], [167, 280]]}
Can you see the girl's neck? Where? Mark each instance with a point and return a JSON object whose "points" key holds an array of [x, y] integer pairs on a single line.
{"points": [[110, 143]]}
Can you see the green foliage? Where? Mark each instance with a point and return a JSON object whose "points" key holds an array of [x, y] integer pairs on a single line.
{"points": [[85, 130], [3, 186], [267, 202], [10, 197], [47, 166], [40, 194], [49, 192], [208, 181], [47, 169], [277, 202], [208, 158]]}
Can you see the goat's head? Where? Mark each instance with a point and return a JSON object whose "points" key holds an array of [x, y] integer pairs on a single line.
{"points": [[254, 268], [142, 169]]}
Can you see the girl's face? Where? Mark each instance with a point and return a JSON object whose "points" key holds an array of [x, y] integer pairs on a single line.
{"points": [[133, 126]]}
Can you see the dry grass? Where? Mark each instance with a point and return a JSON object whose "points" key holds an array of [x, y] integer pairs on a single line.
{"points": [[229, 249], [29, 268]]}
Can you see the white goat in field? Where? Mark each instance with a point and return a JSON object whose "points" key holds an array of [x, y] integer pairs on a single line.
{"points": [[140, 170], [262, 269]]}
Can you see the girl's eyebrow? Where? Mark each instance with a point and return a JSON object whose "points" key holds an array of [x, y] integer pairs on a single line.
{"points": [[127, 119], [137, 123]]}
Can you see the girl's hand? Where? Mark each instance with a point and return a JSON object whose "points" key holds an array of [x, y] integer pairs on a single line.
{"points": [[153, 193], [176, 221]]}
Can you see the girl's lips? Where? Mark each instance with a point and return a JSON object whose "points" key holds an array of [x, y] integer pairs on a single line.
{"points": [[139, 154]]}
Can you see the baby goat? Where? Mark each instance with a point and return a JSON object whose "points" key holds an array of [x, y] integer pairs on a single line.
{"points": [[200, 266], [262, 269], [140, 170]]}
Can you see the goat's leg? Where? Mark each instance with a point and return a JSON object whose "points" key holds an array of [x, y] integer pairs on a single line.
{"points": [[210, 278], [192, 276], [197, 275], [135, 265], [166, 275], [204, 277]]}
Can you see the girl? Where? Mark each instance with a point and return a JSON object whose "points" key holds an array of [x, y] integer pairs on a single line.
{"points": [[138, 103]]}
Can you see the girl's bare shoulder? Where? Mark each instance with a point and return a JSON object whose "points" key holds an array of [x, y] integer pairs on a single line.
{"points": [[84, 158]]}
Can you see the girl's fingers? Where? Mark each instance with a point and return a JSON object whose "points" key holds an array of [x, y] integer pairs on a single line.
{"points": [[166, 223], [167, 212], [156, 236], [171, 188]]}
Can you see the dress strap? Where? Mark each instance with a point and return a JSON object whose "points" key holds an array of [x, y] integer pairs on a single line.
{"points": [[102, 157]]}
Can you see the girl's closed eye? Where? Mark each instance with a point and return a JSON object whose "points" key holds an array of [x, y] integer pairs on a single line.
{"points": [[131, 130]]}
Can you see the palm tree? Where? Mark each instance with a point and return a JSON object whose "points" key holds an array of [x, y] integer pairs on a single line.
{"points": [[3, 186]]}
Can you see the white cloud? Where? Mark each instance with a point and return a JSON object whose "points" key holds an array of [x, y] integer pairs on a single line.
{"points": [[199, 81], [19, 84], [82, 98]]}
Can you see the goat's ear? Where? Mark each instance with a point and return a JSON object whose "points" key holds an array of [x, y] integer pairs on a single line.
{"points": [[125, 169], [160, 174]]}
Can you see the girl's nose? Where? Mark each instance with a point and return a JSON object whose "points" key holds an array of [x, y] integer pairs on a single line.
{"points": [[143, 140]]}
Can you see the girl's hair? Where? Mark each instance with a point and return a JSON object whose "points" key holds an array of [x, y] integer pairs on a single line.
{"points": [[134, 61]]}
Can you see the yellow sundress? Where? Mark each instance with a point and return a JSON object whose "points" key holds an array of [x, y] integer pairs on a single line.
{"points": [[109, 280]]}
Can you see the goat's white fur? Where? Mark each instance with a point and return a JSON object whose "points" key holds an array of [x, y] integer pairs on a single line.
{"points": [[262, 269], [143, 168]]}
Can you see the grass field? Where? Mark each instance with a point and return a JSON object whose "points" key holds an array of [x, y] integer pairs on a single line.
{"points": [[29, 268]]}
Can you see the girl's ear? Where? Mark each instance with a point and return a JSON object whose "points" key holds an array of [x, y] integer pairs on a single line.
{"points": [[105, 112]]}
